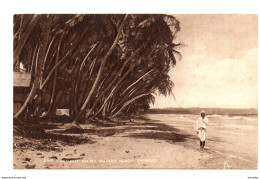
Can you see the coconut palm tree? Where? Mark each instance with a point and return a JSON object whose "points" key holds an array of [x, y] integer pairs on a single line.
{"points": [[106, 64], [146, 60]]}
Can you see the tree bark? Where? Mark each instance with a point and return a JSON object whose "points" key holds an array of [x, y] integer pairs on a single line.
{"points": [[78, 78], [109, 86], [77, 119], [45, 59], [55, 76], [42, 48], [112, 91], [83, 94]]}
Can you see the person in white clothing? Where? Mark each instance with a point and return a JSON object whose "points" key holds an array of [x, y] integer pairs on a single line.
{"points": [[202, 123]]}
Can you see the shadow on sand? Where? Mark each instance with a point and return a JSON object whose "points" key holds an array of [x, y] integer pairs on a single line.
{"points": [[143, 128], [152, 129]]}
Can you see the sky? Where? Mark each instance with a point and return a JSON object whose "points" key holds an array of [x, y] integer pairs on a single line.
{"points": [[219, 65]]}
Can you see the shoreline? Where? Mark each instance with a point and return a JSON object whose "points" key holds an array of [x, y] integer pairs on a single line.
{"points": [[144, 143]]}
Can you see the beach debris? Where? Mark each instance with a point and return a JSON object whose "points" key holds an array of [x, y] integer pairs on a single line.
{"points": [[38, 153], [83, 154], [132, 120], [127, 151], [108, 133], [75, 151], [30, 166], [53, 157], [27, 159]]}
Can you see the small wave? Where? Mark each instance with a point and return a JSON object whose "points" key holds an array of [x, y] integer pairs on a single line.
{"points": [[243, 127], [234, 133], [235, 117], [244, 118], [251, 118], [215, 116]]}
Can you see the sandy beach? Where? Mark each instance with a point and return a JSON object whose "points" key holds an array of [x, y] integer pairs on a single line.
{"points": [[150, 141]]}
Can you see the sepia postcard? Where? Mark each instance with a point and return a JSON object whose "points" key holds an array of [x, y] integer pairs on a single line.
{"points": [[135, 91]]}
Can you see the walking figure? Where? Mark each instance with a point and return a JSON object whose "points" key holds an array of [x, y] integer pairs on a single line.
{"points": [[202, 123]]}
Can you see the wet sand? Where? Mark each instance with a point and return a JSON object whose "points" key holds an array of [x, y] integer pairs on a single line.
{"points": [[154, 141]]}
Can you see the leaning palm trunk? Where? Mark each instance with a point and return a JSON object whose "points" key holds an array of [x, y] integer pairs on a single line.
{"points": [[63, 59], [45, 59], [78, 77], [138, 80], [113, 90], [55, 77], [126, 93], [42, 48], [83, 94], [29, 96], [129, 102], [83, 108], [40, 87], [119, 75], [109, 87], [136, 90]]}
